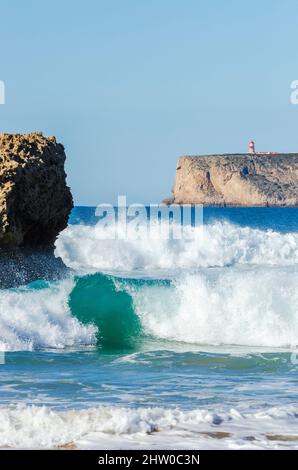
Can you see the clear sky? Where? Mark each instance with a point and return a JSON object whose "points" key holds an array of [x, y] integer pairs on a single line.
{"points": [[129, 85]]}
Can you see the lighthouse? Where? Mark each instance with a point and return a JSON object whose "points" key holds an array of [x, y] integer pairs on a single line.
{"points": [[252, 147]]}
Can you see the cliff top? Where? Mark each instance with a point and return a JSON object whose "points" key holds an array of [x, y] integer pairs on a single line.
{"points": [[33, 137], [17, 149], [241, 155]]}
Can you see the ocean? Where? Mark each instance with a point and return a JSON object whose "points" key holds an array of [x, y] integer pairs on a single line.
{"points": [[189, 344]]}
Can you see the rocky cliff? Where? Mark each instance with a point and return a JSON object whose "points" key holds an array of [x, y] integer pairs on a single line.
{"points": [[35, 204], [35, 201], [237, 180]]}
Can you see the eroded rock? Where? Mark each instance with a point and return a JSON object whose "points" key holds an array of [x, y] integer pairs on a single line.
{"points": [[35, 201]]}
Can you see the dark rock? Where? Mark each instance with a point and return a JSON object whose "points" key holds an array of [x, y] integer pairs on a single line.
{"points": [[35, 201]]}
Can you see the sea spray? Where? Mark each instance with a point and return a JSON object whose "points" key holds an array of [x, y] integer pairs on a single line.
{"points": [[218, 244], [235, 306], [38, 317], [238, 306]]}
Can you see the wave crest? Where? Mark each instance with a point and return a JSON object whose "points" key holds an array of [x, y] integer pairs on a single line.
{"points": [[223, 307], [38, 317], [238, 306], [216, 244]]}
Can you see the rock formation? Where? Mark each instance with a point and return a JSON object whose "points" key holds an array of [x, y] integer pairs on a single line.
{"points": [[35, 202], [237, 180]]}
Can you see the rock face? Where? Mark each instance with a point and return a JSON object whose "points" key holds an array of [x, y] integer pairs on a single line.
{"points": [[237, 180], [35, 201]]}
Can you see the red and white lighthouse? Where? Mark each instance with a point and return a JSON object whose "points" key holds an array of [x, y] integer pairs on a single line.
{"points": [[252, 147]]}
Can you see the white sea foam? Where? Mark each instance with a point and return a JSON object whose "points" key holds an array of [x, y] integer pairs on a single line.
{"points": [[236, 306], [108, 427], [216, 244], [252, 301], [40, 318], [255, 307]]}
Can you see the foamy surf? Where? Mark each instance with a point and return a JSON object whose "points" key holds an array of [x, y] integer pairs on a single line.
{"points": [[216, 244], [38, 317], [107, 427], [184, 344], [236, 306], [232, 307]]}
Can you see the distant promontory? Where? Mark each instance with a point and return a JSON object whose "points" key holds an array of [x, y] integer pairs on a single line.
{"points": [[237, 180]]}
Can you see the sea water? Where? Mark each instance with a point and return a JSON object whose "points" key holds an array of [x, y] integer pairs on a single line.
{"points": [[158, 343]]}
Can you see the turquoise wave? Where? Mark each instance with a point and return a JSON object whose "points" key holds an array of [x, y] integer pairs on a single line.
{"points": [[213, 307], [208, 307], [96, 299]]}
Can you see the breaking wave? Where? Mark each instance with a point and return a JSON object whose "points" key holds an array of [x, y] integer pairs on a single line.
{"points": [[238, 306], [216, 244], [38, 317]]}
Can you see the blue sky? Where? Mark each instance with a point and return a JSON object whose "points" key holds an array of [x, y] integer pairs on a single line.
{"points": [[129, 85]]}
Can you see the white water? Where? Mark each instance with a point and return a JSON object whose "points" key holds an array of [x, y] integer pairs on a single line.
{"points": [[115, 427], [236, 306], [40, 318], [232, 306], [217, 244], [252, 301]]}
